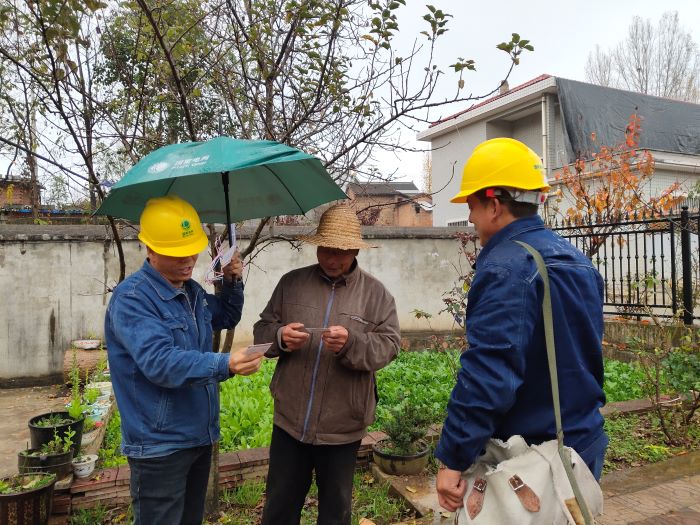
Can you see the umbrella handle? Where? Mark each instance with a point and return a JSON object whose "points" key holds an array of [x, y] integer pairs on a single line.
{"points": [[224, 180]]}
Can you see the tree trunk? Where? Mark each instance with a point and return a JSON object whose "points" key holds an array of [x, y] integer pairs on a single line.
{"points": [[211, 507]]}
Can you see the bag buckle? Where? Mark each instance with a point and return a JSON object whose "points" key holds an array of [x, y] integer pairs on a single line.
{"points": [[480, 485], [516, 483]]}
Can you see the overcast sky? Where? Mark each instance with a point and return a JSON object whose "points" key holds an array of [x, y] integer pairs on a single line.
{"points": [[563, 33]]}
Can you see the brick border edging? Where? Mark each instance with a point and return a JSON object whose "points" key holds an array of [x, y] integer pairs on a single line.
{"points": [[110, 487]]}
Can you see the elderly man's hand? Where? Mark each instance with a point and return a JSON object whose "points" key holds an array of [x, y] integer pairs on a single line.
{"points": [[335, 338], [293, 336], [233, 271], [243, 364], [450, 488]]}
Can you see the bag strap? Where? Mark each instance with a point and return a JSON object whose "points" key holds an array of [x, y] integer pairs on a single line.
{"points": [[552, 362]]}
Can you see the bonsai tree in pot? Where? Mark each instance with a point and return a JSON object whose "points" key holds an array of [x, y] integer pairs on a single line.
{"points": [[53, 457], [404, 451], [27, 498]]}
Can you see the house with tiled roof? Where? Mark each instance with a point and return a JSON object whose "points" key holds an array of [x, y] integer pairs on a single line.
{"points": [[557, 118], [390, 204]]}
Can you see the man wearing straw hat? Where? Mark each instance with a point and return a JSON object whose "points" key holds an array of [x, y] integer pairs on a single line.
{"points": [[332, 326]]}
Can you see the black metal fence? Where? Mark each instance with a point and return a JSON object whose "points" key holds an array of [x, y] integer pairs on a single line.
{"points": [[650, 264]]}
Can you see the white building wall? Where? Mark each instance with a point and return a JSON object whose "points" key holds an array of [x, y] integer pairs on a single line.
{"points": [[449, 154], [529, 131], [54, 289]]}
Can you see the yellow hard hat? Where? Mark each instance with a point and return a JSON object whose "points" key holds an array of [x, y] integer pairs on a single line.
{"points": [[171, 226], [503, 163]]}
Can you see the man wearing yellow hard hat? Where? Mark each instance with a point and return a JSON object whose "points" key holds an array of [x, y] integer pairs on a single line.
{"points": [[158, 329], [503, 388]]}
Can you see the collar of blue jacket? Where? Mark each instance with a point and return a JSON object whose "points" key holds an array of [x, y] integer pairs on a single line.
{"points": [[518, 226]]}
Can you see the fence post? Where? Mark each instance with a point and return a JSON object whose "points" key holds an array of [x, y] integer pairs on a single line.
{"points": [[687, 268]]}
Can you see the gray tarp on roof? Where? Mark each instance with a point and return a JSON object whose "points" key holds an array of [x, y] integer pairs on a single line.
{"points": [[667, 125]]}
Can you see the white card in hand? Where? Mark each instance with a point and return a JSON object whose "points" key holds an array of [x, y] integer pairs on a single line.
{"points": [[315, 330], [258, 349]]}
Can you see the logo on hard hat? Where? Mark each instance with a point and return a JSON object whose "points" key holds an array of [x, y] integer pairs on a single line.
{"points": [[186, 228], [158, 167]]}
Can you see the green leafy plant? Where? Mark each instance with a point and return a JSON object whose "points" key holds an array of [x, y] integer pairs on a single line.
{"points": [[76, 408], [110, 453], [423, 378], [246, 410], [100, 371], [406, 425], [91, 395], [247, 495], [58, 445], [637, 439], [98, 514], [623, 381], [89, 425], [672, 373], [53, 420], [25, 482]]}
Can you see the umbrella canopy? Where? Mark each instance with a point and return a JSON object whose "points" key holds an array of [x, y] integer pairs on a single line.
{"points": [[266, 179]]}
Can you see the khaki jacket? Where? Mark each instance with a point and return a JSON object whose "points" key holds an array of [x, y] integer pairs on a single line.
{"points": [[321, 397]]}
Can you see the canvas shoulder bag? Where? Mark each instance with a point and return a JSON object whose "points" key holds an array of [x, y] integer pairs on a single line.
{"points": [[517, 483]]}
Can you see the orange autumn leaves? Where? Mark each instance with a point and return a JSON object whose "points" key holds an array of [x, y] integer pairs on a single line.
{"points": [[613, 182]]}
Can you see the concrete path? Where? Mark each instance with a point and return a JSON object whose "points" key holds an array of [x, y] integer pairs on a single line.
{"points": [[666, 493], [17, 406]]}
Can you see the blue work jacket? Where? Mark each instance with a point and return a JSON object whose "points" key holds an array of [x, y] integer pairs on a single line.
{"points": [[503, 387], [164, 373]]}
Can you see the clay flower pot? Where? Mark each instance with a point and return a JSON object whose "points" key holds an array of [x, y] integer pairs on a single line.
{"points": [[397, 464], [32, 460], [26, 499]]}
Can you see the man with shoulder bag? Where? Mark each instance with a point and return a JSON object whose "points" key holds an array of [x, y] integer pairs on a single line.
{"points": [[532, 377]]}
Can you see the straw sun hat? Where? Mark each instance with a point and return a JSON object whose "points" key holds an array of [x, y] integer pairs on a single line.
{"points": [[338, 228]]}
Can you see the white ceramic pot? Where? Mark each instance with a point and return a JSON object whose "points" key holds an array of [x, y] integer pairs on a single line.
{"points": [[105, 387], [88, 437], [87, 344], [84, 465]]}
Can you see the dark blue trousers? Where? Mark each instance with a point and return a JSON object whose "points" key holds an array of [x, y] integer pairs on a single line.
{"points": [[594, 455], [172, 489]]}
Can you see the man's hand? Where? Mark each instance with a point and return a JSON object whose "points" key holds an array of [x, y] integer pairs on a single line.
{"points": [[450, 488], [243, 364], [335, 338], [234, 269], [293, 337]]}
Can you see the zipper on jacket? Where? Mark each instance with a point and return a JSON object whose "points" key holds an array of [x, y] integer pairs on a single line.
{"points": [[318, 359]]}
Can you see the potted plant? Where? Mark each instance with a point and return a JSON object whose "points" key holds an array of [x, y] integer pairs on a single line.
{"points": [[91, 394], [43, 427], [54, 457], [84, 465], [404, 451], [26, 499]]}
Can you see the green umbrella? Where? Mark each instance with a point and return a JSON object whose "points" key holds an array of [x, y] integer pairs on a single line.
{"points": [[266, 178]]}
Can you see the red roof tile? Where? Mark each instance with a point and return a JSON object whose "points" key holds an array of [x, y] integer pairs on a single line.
{"points": [[496, 97]]}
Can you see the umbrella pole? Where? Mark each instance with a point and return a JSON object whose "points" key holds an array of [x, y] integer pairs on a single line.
{"points": [[224, 180]]}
